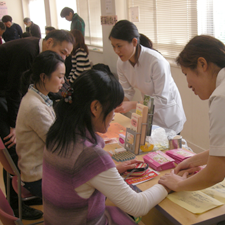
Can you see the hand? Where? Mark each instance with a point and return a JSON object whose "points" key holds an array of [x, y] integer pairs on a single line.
{"points": [[126, 106], [190, 171], [11, 138], [171, 180], [187, 164], [193, 163], [127, 165]]}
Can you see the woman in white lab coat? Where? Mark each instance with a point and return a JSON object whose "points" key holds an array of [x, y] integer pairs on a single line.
{"points": [[147, 70]]}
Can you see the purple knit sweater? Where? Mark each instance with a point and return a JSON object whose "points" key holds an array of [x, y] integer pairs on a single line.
{"points": [[61, 175]]}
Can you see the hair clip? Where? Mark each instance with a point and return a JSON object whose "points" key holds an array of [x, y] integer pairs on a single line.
{"points": [[67, 95]]}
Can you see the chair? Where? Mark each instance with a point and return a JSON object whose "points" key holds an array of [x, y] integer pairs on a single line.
{"points": [[10, 167], [6, 213]]}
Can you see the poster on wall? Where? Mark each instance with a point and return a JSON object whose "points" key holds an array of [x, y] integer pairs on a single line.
{"points": [[108, 20], [3, 9], [134, 14]]}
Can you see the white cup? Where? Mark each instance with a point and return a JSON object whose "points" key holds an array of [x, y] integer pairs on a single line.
{"points": [[176, 142]]}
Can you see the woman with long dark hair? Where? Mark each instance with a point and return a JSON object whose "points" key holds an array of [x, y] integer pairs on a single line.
{"points": [[77, 172], [78, 61], [148, 71]]}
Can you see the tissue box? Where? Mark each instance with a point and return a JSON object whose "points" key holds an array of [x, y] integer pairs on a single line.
{"points": [[179, 154], [159, 161]]}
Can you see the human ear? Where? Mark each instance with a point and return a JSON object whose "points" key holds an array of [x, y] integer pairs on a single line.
{"points": [[49, 43], [95, 108], [42, 77], [135, 42], [202, 63]]}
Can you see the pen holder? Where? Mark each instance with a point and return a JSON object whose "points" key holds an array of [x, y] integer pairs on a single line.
{"points": [[131, 141]]}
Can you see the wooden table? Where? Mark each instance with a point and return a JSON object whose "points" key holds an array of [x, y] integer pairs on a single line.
{"points": [[176, 214]]}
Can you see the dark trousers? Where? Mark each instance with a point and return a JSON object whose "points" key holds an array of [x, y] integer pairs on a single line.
{"points": [[34, 187], [4, 131]]}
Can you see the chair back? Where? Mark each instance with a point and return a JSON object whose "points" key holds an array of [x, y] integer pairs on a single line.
{"points": [[6, 213], [7, 161]]}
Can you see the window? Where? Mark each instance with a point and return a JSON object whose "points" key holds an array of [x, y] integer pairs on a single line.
{"points": [[90, 12], [60, 4], [171, 24], [211, 18], [37, 14]]}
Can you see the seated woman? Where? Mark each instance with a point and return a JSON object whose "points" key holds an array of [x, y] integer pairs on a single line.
{"points": [[78, 61], [35, 117], [77, 172]]}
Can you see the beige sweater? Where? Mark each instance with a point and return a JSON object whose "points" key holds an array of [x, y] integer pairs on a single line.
{"points": [[33, 122]]}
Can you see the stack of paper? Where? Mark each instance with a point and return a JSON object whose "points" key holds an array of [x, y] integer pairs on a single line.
{"points": [[159, 161], [200, 201], [179, 154]]}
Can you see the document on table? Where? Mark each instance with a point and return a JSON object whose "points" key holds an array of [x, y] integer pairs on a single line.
{"points": [[200, 201]]}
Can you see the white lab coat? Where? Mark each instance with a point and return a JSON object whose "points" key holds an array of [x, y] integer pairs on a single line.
{"points": [[152, 76]]}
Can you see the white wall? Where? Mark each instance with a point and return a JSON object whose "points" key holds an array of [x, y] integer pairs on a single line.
{"points": [[15, 10], [197, 126], [195, 129]]}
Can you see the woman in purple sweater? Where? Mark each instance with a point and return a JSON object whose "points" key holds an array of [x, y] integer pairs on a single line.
{"points": [[77, 172]]}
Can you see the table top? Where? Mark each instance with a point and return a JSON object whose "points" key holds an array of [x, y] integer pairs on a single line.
{"points": [[172, 211]]}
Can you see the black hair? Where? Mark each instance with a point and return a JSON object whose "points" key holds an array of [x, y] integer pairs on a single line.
{"points": [[73, 120], [102, 67], [145, 41], [127, 31], [2, 26], [66, 12], [26, 34], [6, 18], [60, 36], [50, 28], [26, 20], [208, 47], [46, 62]]}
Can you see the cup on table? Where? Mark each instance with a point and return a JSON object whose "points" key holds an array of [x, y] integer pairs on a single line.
{"points": [[176, 142]]}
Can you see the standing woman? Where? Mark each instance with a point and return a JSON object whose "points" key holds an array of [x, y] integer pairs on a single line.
{"points": [[203, 63], [35, 117], [78, 61], [146, 69]]}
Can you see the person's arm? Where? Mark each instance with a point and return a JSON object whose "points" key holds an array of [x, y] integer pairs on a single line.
{"points": [[36, 32], [129, 91], [126, 106], [192, 163], [112, 185], [127, 165], [213, 173], [11, 138], [13, 95], [161, 80], [19, 30], [127, 88], [41, 121]]}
